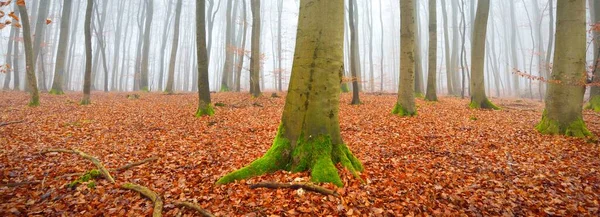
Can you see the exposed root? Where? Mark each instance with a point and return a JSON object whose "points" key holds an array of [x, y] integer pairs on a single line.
{"points": [[94, 160], [9, 123], [134, 164], [193, 206], [308, 187], [158, 203]]}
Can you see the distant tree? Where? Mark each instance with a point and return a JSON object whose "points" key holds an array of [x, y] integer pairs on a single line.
{"points": [[204, 106], [40, 26], [228, 65], [63, 41], [405, 106], [478, 96], [175, 46], [354, 59], [29, 60], [146, 49], [564, 97], [255, 58], [9, 57], [594, 103], [431, 94], [309, 135], [87, 31]]}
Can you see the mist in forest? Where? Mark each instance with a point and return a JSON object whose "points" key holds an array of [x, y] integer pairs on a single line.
{"points": [[519, 45]]}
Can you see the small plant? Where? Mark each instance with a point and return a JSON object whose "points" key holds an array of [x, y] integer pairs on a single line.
{"points": [[473, 118]]}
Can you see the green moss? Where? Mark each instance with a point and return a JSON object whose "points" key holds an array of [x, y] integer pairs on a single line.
{"points": [[485, 104], [144, 89], [34, 101], [419, 95], [85, 102], [205, 111], [553, 127], [473, 118], [90, 175], [272, 161], [91, 184], [224, 88], [401, 111], [594, 104], [56, 92], [315, 154], [344, 88]]}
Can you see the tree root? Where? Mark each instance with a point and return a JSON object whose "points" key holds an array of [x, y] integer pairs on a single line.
{"points": [[9, 123], [120, 169], [158, 203], [17, 184], [94, 160], [193, 206], [308, 187]]}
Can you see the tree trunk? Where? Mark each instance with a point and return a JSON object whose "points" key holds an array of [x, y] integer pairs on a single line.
{"points": [[431, 94], [40, 26], [562, 114], [146, 49], [173, 59], [228, 65], [29, 62], [381, 58], [309, 135], [63, 41], [447, 49], [117, 45], [406, 95], [418, 62], [242, 38], [9, 57], [478, 96], [354, 59], [87, 30], [255, 58], [164, 45]]}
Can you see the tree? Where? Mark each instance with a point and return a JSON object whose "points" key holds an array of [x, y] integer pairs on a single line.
{"points": [[39, 37], [63, 41], [204, 106], [405, 106], [29, 62], [173, 59], [354, 56], [255, 58], [309, 135], [594, 103], [9, 55], [228, 65], [478, 96], [431, 94], [87, 31], [146, 48], [564, 96]]}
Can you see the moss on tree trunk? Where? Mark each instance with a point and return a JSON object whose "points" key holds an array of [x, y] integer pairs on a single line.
{"points": [[479, 99], [309, 137], [406, 95]]}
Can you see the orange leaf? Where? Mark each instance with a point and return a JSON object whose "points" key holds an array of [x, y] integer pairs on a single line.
{"points": [[48, 21], [21, 2], [12, 14]]}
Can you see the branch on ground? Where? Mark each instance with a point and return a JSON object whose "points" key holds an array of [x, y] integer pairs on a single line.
{"points": [[9, 123], [153, 196], [94, 160], [193, 206], [308, 187], [17, 184]]}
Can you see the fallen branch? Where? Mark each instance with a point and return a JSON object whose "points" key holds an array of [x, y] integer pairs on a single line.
{"points": [[9, 123], [17, 184], [308, 187], [120, 169], [203, 212], [94, 160], [158, 203], [134, 164]]}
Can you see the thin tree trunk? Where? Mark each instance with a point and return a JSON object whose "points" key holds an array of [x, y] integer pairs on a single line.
{"points": [[354, 67], [146, 49], [174, 47], [255, 58], [87, 30], [29, 63], [431, 94]]}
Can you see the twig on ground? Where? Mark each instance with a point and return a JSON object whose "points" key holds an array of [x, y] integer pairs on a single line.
{"points": [[158, 203], [308, 187], [9, 123], [193, 206]]}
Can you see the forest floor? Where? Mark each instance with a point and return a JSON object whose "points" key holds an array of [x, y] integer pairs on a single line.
{"points": [[448, 160]]}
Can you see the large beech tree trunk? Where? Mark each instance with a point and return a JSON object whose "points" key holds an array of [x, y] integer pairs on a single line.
{"points": [[406, 95], [309, 135], [29, 60], [564, 96], [87, 31], [431, 94], [478, 96]]}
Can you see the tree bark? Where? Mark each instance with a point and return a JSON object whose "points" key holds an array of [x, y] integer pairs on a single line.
{"points": [[40, 26], [146, 49], [63, 41], [204, 106], [405, 106], [175, 46], [309, 135], [228, 65], [255, 58], [87, 30], [563, 110], [29, 60], [431, 94], [478, 96], [594, 103], [354, 56]]}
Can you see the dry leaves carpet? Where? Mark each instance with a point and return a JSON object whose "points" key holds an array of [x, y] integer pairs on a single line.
{"points": [[449, 160]]}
